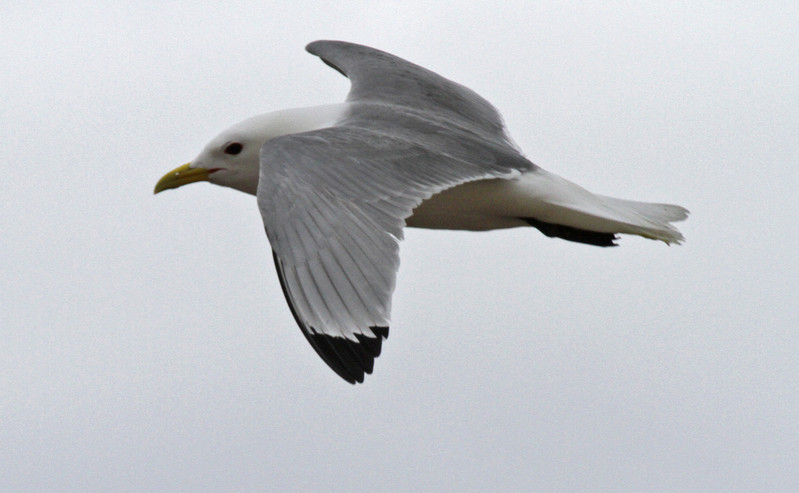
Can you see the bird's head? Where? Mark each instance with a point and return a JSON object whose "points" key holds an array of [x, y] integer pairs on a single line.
{"points": [[232, 158]]}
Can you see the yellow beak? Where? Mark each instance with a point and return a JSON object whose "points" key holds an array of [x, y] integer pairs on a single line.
{"points": [[180, 176]]}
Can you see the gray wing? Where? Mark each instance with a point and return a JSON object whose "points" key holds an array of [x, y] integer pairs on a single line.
{"points": [[334, 203], [379, 76]]}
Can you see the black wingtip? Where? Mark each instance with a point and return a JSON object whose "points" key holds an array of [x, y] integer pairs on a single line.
{"points": [[573, 234], [351, 360]]}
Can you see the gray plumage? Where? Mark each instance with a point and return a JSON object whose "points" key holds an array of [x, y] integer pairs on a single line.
{"points": [[334, 200]]}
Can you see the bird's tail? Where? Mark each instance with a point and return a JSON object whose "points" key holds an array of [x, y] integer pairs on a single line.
{"points": [[566, 210]]}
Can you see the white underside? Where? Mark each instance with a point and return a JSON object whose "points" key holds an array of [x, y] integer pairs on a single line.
{"points": [[498, 203]]}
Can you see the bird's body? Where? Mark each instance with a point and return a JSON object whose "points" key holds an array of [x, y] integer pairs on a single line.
{"points": [[336, 184]]}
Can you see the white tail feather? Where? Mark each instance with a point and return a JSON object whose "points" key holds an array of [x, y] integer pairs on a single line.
{"points": [[556, 200]]}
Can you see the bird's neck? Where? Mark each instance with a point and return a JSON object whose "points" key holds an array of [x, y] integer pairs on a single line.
{"points": [[296, 120]]}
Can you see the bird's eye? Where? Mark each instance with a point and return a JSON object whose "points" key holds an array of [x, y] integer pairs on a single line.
{"points": [[233, 148]]}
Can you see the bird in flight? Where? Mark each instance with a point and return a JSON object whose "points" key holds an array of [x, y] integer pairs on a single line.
{"points": [[336, 185]]}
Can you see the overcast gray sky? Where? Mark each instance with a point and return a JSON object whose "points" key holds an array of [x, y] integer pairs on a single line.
{"points": [[145, 344]]}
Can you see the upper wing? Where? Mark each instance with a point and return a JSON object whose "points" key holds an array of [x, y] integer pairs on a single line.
{"points": [[333, 203], [377, 76]]}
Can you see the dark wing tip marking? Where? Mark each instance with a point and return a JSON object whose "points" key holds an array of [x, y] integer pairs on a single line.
{"points": [[573, 234], [349, 359]]}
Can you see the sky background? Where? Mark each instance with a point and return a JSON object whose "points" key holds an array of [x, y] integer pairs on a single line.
{"points": [[145, 344]]}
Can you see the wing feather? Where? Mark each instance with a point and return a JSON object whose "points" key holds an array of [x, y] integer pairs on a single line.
{"points": [[334, 200], [379, 76]]}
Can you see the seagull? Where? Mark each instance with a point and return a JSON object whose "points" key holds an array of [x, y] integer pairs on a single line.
{"points": [[336, 185]]}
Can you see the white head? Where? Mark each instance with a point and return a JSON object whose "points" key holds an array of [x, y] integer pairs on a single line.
{"points": [[232, 158]]}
